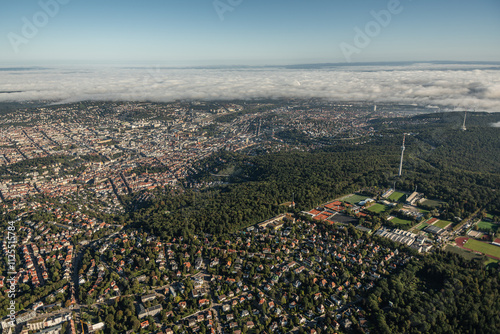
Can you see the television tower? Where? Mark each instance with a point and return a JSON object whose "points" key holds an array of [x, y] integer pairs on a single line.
{"points": [[402, 153], [463, 128]]}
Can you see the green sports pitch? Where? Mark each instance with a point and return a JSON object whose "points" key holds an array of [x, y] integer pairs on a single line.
{"points": [[353, 199], [400, 221], [395, 196], [377, 208], [487, 225], [442, 223], [483, 247]]}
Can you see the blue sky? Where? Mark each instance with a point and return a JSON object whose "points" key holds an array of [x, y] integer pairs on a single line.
{"points": [[253, 32]]}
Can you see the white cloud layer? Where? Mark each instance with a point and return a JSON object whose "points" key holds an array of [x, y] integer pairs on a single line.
{"points": [[468, 86]]}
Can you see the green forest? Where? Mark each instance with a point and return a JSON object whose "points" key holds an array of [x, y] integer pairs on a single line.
{"points": [[438, 293], [457, 167], [261, 185]]}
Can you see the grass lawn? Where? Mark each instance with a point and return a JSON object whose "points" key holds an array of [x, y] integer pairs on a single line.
{"points": [[353, 199], [377, 208], [442, 223], [400, 221], [483, 247], [487, 225], [431, 203], [395, 196], [463, 252]]}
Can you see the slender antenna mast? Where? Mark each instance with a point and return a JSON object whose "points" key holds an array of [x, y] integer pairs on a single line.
{"points": [[402, 153], [463, 125]]}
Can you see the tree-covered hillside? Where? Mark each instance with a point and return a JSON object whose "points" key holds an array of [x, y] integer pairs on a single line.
{"points": [[439, 293], [460, 168]]}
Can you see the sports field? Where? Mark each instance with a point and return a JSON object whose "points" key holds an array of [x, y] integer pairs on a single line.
{"points": [[400, 221], [483, 247], [442, 223], [377, 208], [487, 225], [395, 196], [353, 199]]}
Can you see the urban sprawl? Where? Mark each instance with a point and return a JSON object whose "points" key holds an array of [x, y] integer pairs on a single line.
{"points": [[65, 170]]}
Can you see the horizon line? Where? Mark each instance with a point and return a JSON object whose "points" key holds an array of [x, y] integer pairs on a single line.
{"points": [[160, 65]]}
